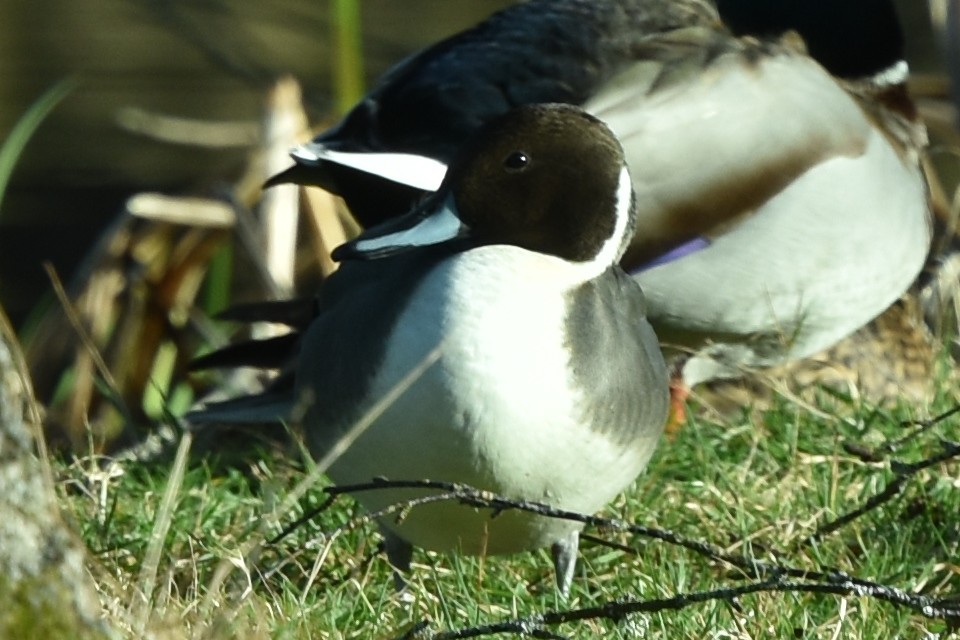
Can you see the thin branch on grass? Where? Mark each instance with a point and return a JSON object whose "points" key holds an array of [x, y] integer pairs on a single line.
{"points": [[609, 544], [919, 427], [771, 575], [302, 520], [904, 471], [616, 611]]}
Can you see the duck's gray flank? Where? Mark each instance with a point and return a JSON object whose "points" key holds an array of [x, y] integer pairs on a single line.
{"points": [[608, 338]]}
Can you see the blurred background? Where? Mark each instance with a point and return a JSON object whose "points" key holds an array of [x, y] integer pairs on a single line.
{"points": [[208, 60], [171, 97], [205, 60]]}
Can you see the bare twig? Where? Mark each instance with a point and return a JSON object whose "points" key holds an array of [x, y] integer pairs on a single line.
{"points": [[616, 611], [771, 575], [920, 427], [905, 472]]}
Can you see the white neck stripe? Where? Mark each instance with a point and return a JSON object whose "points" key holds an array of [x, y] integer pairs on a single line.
{"points": [[612, 248]]}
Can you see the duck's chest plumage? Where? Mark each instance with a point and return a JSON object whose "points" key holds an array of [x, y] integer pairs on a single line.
{"points": [[538, 385]]}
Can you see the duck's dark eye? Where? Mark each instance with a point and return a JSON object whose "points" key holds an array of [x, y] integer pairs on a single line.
{"points": [[516, 161]]}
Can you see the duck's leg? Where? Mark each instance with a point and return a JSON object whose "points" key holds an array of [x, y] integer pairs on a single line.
{"points": [[564, 552], [679, 392], [399, 554]]}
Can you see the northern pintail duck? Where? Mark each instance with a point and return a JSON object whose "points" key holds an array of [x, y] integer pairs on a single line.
{"points": [[549, 384], [780, 197]]}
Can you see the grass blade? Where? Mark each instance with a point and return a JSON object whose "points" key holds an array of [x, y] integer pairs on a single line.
{"points": [[25, 127], [348, 60]]}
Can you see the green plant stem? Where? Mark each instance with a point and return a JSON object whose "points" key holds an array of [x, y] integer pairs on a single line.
{"points": [[12, 147], [348, 59]]}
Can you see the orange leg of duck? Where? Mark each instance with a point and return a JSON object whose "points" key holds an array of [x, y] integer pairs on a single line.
{"points": [[679, 392]]}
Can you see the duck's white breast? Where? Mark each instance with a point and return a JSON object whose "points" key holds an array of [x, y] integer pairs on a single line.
{"points": [[499, 410]]}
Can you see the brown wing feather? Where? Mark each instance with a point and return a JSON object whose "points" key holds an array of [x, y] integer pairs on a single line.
{"points": [[714, 127]]}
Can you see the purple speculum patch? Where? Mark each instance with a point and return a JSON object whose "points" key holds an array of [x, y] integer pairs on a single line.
{"points": [[680, 251]]}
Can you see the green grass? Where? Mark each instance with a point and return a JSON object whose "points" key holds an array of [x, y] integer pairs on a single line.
{"points": [[758, 484]]}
